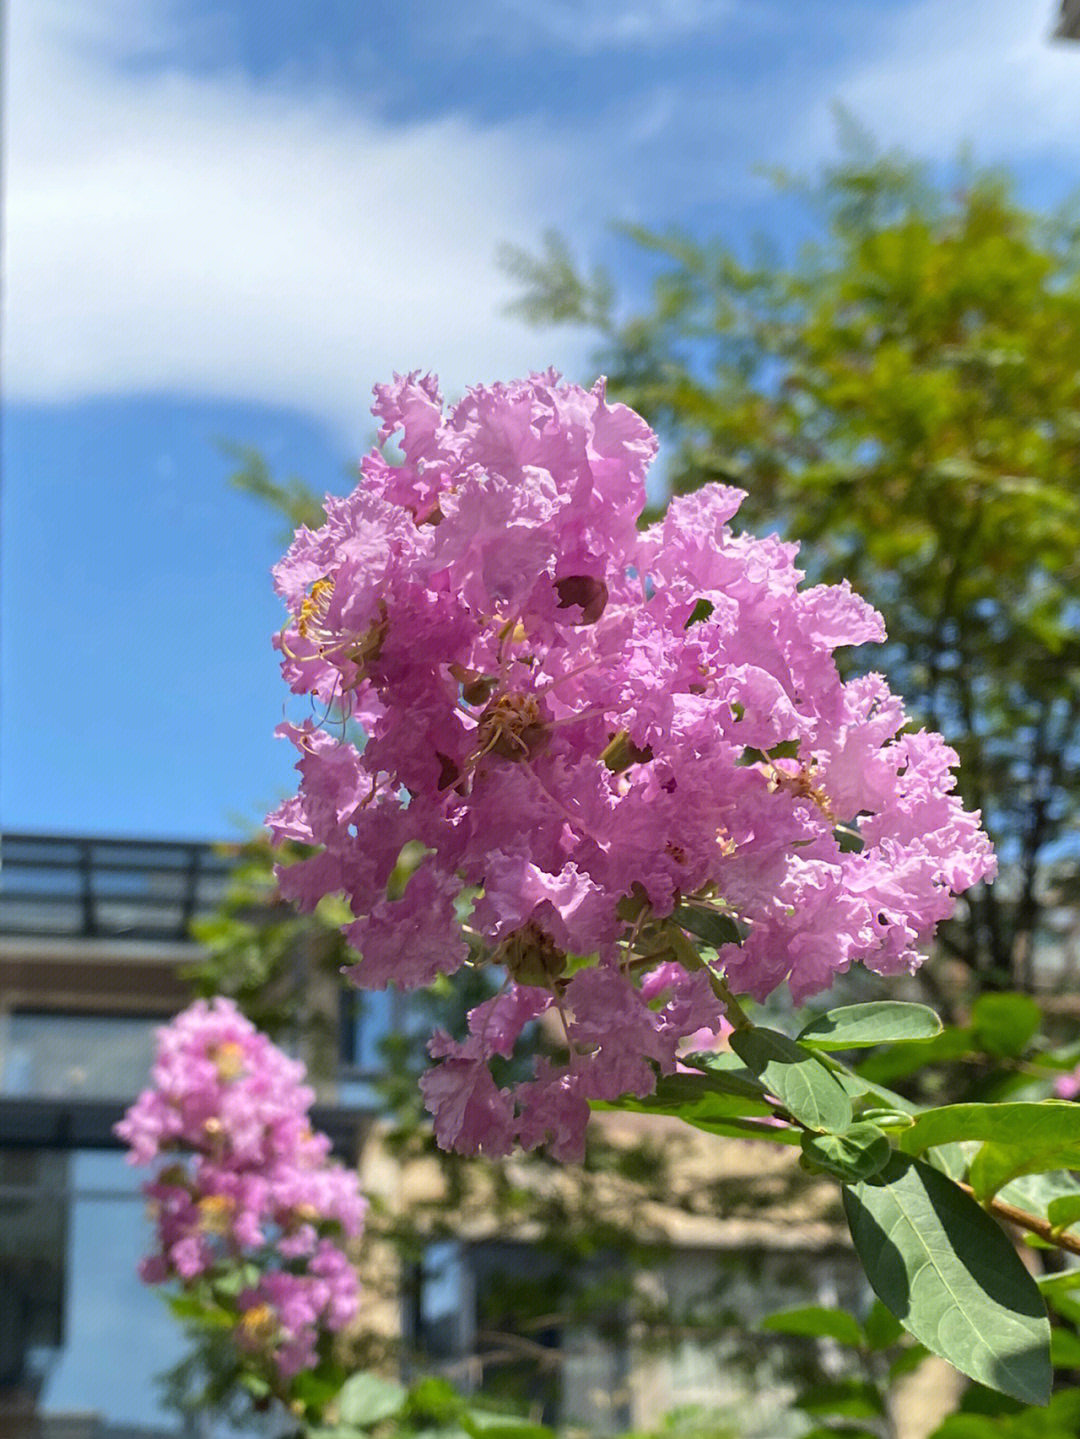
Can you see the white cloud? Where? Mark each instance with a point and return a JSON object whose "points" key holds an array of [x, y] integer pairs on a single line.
{"points": [[175, 232], [585, 27], [942, 74]]}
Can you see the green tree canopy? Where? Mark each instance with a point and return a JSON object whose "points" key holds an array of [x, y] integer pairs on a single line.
{"points": [[904, 396]]}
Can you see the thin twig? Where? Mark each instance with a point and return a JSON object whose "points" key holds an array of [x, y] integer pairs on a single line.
{"points": [[1023, 1220]]}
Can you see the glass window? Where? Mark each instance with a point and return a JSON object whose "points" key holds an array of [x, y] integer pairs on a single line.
{"points": [[92, 1339], [54, 1056]]}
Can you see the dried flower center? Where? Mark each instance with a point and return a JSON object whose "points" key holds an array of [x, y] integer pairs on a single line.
{"points": [[512, 726], [800, 785], [530, 956]]}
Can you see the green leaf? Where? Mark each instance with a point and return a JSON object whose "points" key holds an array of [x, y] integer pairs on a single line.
{"points": [[816, 1322], [798, 1078], [435, 1400], [1064, 1349], [482, 1424], [677, 1091], [826, 1431], [907, 1361], [997, 1166], [908, 1057], [1064, 1211], [697, 1096], [848, 1398], [237, 1279], [708, 924], [862, 1092], [1036, 1192], [969, 1426], [772, 1132], [199, 1311], [856, 1154], [367, 1399], [882, 1327], [315, 1388], [954, 1160], [725, 1073], [952, 1277], [1004, 1023], [1049, 1123], [856, 1026], [1059, 1283]]}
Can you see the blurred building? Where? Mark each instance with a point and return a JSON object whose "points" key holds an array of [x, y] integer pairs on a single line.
{"points": [[94, 937]]}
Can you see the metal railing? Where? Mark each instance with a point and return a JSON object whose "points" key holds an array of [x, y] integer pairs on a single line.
{"points": [[90, 888]]}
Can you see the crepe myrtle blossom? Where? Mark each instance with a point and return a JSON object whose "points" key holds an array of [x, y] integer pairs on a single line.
{"points": [[602, 741], [245, 1181]]}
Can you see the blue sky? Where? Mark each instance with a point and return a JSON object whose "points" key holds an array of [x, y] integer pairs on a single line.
{"points": [[229, 219]]}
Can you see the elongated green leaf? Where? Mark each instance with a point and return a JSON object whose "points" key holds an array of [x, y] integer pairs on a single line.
{"points": [[952, 1277], [798, 1078], [1005, 1023], [204, 1312], [816, 1322], [1045, 1124], [856, 1026], [725, 1073], [729, 1115], [697, 1095], [856, 1154], [773, 1132], [367, 1399], [714, 928]]}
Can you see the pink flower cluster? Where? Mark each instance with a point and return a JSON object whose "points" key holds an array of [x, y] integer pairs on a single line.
{"points": [[247, 1182], [603, 740]]}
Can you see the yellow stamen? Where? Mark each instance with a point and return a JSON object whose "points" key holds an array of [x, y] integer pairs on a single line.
{"points": [[313, 610], [258, 1325], [215, 1213], [229, 1059]]}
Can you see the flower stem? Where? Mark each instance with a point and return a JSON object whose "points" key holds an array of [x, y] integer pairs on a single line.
{"points": [[1031, 1222], [732, 1008]]}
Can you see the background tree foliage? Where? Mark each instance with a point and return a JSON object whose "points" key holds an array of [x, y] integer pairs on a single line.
{"points": [[903, 396]]}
